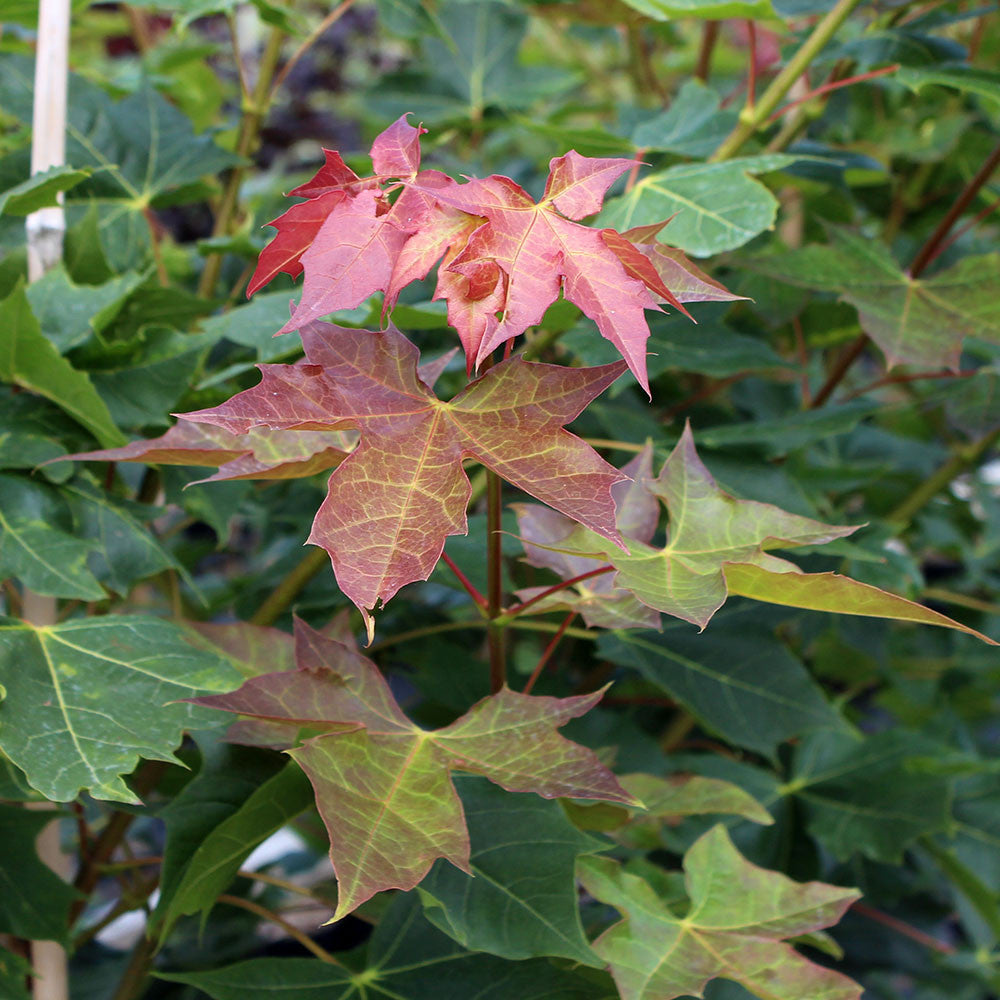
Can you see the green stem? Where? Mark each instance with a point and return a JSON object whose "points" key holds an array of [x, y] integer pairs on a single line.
{"points": [[962, 459], [253, 117], [497, 635], [751, 119], [280, 599]]}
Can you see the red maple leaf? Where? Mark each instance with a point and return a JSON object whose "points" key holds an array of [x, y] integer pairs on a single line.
{"points": [[395, 499], [502, 259]]}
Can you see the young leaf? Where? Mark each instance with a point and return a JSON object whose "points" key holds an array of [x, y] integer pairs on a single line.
{"points": [[383, 786], [392, 503], [915, 321], [88, 697], [520, 900], [541, 250], [736, 928], [504, 258]]}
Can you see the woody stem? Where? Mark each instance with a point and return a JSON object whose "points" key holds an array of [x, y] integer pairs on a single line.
{"points": [[497, 637]]}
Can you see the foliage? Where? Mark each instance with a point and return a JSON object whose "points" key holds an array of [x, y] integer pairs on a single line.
{"points": [[723, 276]]}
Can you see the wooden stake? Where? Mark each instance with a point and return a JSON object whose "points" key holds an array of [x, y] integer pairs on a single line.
{"points": [[45, 231]]}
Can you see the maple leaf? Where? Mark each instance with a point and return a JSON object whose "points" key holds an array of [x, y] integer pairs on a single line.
{"points": [[394, 500], [717, 546], [597, 600], [735, 927], [383, 786], [260, 453], [686, 281], [915, 321], [542, 250]]}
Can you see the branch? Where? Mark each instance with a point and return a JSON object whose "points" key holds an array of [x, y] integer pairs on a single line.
{"points": [[547, 653], [253, 117], [933, 246], [751, 120], [290, 929], [335, 15], [962, 459], [555, 588], [827, 88]]}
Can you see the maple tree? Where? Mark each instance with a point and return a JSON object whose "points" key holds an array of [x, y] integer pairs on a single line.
{"points": [[620, 686]]}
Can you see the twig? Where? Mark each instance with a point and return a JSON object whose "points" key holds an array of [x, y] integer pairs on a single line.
{"points": [[785, 80], [253, 117], [802, 356], [547, 652], [709, 36], [335, 15], [713, 387], [154, 241], [840, 369], [290, 929], [238, 57], [827, 88], [146, 779], [494, 575], [907, 930], [281, 598], [519, 609], [932, 247], [752, 67], [137, 970], [467, 584], [914, 377], [962, 459], [962, 230], [960, 600], [425, 630]]}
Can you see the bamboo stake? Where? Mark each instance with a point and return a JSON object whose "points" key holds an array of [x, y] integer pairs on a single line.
{"points": [[45, 230]]}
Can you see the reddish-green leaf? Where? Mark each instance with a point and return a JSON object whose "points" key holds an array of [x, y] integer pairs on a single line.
{"points": [[393, 502], [597, 600], [260, 453], [383, 786], [915, 321], [739, 917]]}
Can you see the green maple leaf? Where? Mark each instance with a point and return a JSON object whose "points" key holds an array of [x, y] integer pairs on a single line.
{"points": [[383, 786], [915, 321], [86, 698], [736, 928]]}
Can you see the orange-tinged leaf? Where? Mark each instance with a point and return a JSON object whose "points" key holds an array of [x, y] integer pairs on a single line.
{"points": [[739, 917], [393, 502], [383, 786]]}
